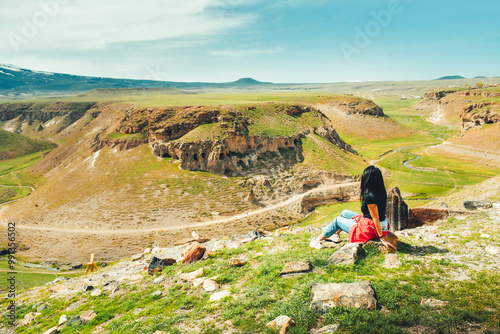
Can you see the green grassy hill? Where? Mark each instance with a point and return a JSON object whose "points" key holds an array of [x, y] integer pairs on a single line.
{"points": [[13, 145]]}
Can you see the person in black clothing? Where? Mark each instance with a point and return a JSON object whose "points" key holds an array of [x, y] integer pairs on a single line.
{"points": [[372, 220]]}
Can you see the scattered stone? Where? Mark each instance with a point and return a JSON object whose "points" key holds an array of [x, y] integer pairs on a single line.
{"points": [[157, 293], [281, 324], [192, 275], [246, 240], [474, 205], [74, 306], [392, 261], [57, 288], [433, 302], [88, 288], [155, 250], [237, 262], [76, 321], [40, 308], [358, 295], [492, 250], [253, 235], [199, 238], [194, 253], [96, 293], [59, 279], [443, 206], [485, 236], [472, 244], [296, 267], [397, 210], [156, 262], [75, 266], [159, 332], [346, 254], [385, 310], [88, 316], [210, 285], [28, 319], [52, 330], [198, 281], [330, 329], [137, 257], [495, 205], [219, 245], [137, 311], [158, 280], [147, 251], [62, 320], [219, 295]]}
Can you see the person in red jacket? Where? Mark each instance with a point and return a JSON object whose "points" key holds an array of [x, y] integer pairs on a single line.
{"points": [[371, 224]]}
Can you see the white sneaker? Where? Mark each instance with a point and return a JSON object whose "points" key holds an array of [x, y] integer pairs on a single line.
{"points": [[316, 244], [336, 238]]}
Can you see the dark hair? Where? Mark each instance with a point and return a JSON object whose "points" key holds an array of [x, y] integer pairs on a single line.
{"points": [[372, 181]]}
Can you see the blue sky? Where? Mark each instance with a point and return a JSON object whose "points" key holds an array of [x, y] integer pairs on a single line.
{"points": [[293, 41]]}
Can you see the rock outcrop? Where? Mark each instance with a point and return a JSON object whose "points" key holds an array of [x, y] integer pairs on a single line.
{"points": [[396, 210], [479, 114]]}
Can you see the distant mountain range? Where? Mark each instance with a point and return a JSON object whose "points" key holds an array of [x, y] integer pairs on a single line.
{"points": [[18, 82], [454, 77]]}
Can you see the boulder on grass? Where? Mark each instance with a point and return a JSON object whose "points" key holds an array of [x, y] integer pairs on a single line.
{"points": [[194, 253], [280, 324], [347, 254], [158, 263], [331, 295]]}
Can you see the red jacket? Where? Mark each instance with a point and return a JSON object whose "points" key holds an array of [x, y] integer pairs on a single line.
{"points": [[364, 230]]}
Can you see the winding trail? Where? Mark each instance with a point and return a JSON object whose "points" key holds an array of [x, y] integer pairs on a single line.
{"points": [[291, 200]]}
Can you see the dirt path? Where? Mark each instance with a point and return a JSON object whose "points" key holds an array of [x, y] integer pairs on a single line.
{"points": [[289, 201], [6, 185]]}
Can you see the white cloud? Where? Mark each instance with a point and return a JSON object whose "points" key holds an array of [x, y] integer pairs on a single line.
{"points": [[245, 52], [93, 24]]}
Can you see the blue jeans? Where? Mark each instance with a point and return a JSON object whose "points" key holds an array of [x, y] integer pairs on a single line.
{"points": [[344, 223]]}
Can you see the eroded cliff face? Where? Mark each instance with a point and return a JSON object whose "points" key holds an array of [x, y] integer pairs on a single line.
{"points": [[357, 106], [50, 118], [479, 114], [233, 139]]}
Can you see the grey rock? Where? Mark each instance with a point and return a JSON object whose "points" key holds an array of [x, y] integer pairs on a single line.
{"points": [[76, 321], [296, 267], [156, 262], [330, 329], [492, 249], [88, 288], [157, 293], [397, 210], [327, 296], [158, 280], [433, 302], [59, 279], [137, 257], [472, 244], [392, 261], [346, 254], [474, 205], [252, 235], [443, 206], [40, 308]]}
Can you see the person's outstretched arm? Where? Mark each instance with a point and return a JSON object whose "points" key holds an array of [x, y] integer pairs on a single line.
{"points": [[374, 213]]}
